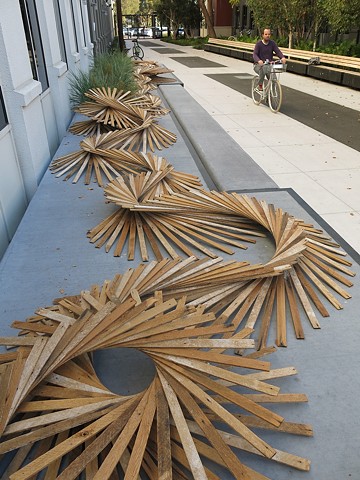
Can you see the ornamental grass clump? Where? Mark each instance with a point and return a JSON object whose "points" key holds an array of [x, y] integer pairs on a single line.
{"points": [[113, 69]]}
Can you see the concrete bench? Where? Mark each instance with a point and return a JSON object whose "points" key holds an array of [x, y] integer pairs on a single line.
{"points": [[338, 69], [334, 61], [326, 73], [351, 79]]}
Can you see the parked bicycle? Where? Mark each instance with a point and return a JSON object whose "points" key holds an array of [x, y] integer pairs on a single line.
{"points": [[137, 51], [271, 92]]}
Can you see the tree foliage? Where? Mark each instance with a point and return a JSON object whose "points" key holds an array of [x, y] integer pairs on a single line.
{"points": [[342, 14], [146, 7], [130, 7], [303, 19], [176, 13]]}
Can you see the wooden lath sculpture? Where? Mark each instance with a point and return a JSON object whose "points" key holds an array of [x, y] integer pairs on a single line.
{"points": [[131, 119], [152, 69], [89, 161], [54, 403], [149, 102], [147, 134], [171, 233], [119, 109], [90, 128], [101, 157], [173, 181], [311, 264], [144, 83]]}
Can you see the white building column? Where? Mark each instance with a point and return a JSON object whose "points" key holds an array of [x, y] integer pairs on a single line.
{"points": [[23, 98], [57, 75]]}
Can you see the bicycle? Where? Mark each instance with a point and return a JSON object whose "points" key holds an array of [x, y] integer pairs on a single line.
{"points": [[137, 51], [272, 91]]}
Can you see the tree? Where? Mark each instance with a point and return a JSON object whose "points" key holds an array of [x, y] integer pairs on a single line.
{"points": [[288, 17], [175, 13], [342, 14], [303, 19], [146, 6], [130, 7], [265, 13], [119, 23], [192, 18], [208, 13], [294, 17], [316, 18]]}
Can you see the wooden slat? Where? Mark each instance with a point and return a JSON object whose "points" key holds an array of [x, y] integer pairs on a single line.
{"points": [[195, 463]]}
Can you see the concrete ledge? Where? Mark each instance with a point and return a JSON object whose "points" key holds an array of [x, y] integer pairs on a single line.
{"points": [[28, 92], [248, 56], [228, 165], [212, 48], [328, 74], [228, 52], [50, 256], [239, 54], [351, 79], [225, 51], [295, 66]]}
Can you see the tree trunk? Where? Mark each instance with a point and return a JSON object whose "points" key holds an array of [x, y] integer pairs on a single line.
{"points": [[210, 9], [316, 30], [209, 22], [290, 39], [120, 26]]}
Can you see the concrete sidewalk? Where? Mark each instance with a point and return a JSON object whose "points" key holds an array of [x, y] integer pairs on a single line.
{"points": [[324, 172]]}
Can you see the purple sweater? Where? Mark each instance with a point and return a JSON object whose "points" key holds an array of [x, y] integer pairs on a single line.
{"points": [[265, 52]]}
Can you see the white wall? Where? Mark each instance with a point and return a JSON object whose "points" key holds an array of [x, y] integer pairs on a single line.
{"points": [[37, 118], [13, 200]]}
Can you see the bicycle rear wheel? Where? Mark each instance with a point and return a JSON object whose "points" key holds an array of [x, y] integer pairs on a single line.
{"points": [[275, 96], [256, 96]]}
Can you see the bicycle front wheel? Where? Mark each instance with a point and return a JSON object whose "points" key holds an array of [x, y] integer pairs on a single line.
{"points": [[256, 95], [275, 96]]}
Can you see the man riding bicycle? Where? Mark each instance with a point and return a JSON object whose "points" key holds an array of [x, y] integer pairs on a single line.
{"points": [[263, 54]]}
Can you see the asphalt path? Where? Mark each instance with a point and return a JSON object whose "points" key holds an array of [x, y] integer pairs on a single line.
{"points": [[338, 122]]}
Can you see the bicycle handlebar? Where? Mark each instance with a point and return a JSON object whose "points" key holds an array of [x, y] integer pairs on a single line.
{"points": [[276, 65]]}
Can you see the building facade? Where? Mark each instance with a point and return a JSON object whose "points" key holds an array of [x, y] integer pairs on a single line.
{"points": [[223, 13], [41, 43]]}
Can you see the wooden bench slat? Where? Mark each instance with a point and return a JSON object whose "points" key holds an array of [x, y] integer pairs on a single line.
{"points": [[291, 53]]}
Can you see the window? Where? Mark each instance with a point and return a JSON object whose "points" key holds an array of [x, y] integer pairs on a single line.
{"points": [[60, 30], [3, 116], [82, 23], [74, 26], [244, 20], [34, 43]]}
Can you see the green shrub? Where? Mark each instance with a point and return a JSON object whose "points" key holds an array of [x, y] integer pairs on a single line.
{"points": [[241, 38], [354, 50], [247, 38], [113, 69], [302, 44], [348, 48]]}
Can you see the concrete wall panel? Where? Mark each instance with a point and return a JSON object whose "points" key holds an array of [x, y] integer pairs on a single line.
{"points": [[13, 201]]}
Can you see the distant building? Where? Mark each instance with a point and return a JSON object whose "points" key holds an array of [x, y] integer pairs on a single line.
{"points": [[41, 43], [223, 12], [223, 19]]}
